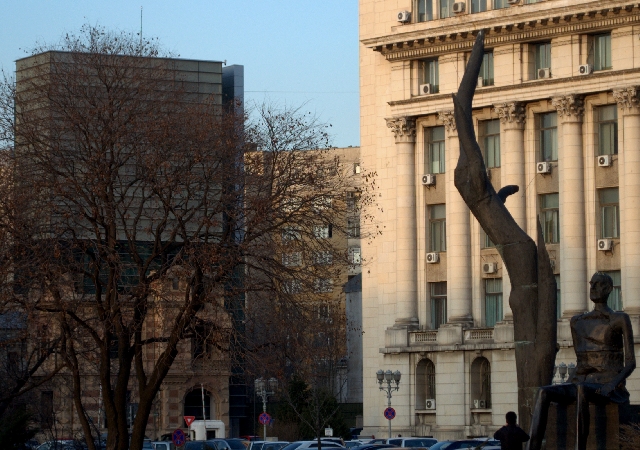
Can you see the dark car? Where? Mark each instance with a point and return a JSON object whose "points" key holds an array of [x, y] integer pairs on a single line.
{"points": [[236, 444], [471, 444], [412, 442], [371, 446]]}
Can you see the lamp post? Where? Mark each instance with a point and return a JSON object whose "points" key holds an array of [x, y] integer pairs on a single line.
{"points": [[388, 377], [265, 388]]}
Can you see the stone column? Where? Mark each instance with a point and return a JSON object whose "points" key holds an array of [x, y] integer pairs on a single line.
{"points": [[404, 129], [512, 120], [458, 233], [629, 175], [573, 252]]}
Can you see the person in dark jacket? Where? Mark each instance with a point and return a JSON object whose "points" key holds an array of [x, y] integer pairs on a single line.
{"points": [[511, 436]]}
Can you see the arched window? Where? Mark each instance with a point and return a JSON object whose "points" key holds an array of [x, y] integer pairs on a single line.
{"points": [[481, 383], [425, 383], [193, 402]]}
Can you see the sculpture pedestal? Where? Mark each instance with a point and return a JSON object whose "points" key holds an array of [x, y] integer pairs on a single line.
{"points": [[603, 427]]}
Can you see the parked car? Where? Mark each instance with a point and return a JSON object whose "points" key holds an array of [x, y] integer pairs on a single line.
{"points": [[371, 446], [60, 444], [441, 445], [302, 445], [353, 443], [163, 445], [237, 444], [412, 442], [479, 444], [274, 445]]}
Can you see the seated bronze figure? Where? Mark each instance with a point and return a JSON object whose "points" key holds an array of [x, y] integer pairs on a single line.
{"points": [[603, 342]]}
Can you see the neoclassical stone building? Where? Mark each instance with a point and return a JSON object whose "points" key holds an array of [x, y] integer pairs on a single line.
{"points": [[558, 114]]}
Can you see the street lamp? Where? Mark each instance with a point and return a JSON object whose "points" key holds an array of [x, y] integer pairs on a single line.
{"points": [[265, 388], [388, 378]]}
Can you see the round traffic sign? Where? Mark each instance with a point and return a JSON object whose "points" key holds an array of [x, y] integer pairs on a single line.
{"points": [[264, 418], [389, 413], [178, 437]]}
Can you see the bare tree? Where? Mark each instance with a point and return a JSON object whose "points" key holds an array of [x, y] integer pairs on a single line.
{"points": [[127, 181]]}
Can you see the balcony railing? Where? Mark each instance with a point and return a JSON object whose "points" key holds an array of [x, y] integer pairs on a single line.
{"points": [[424, 336], [478, 334]]}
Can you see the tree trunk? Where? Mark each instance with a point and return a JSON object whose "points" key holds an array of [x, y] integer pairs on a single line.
{"points": [[533, 287]]}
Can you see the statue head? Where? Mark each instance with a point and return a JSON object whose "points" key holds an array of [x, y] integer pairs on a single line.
{"points": [[601, 287]]}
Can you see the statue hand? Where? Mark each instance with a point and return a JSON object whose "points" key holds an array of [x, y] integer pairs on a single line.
{"points": [[606, 389]]}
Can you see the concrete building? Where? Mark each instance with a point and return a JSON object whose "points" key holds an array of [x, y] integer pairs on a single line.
{"points": [[558, 114]]}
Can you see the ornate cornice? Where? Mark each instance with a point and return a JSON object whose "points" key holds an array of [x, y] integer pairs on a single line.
{"points": [[627, 97], [570, 106], [448, 38], [448, 119], [511, 113], [404, 128]]}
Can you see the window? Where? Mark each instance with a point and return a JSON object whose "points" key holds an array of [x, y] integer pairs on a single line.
{"points": [[428, 73], [615, 297], [542, 57], [490, 141], [425, 10], [434, 151], [485, 241], [323, 231], [601, 51], [486, 69], [323, 258], [292, 287], [425, 382], [548, 136], [559, 298], [293, 259], [446, 8], [113, 347], [609, 213], [549, 207], [324, 312], [438, 304], [353, 228], [492, 301], [354, 255], [499, 4], [322, 202], [290, 233], [175, 283], [478, 6], [356, 168], [352, 200], [323, 285], [481, 383], [46, 409], [607, 130], [437, 228]]}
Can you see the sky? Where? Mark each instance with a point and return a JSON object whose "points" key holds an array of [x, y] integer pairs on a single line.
{"points": [[294, 52]]}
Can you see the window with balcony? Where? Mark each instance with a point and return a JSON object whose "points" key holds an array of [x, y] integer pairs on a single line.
{"points": [[437, 228], [609, 213], [549, 217], [486, 69], [548, 136], [478, 6], [492, 301], [601, 48], [481, 383], [435, 150], [438, 300], [607, 129], [490, 142], [615, 297], [425, 382], [425, 10], [428, 73]]}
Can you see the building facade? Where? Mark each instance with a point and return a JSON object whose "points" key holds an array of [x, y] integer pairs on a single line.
{"points": [[556, 113]]}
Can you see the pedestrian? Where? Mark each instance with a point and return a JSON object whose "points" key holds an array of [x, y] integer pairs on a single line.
{"points": [[511, 436]]}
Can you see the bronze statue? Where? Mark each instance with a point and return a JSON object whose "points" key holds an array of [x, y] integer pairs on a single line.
{"points": [[603, 342]]}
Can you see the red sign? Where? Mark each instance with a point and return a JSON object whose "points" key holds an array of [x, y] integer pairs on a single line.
{"points": [[389, 413], [189, 420], [264, 418], [178, 438]]}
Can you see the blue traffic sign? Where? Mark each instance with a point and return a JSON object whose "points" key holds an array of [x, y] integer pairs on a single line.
{"points": [[178, 438], [389, 413], [264, 418]]}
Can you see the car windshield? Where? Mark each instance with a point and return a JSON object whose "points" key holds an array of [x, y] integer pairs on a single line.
{"points": [[419, 442], [292, 446], [257, 446], [442, 445], [236, 444]]}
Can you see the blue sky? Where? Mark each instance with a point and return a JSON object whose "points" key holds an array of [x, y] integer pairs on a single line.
{"points": [[294, 51]]}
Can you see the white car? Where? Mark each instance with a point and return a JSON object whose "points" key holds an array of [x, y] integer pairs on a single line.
{"points": [[422, 442]]}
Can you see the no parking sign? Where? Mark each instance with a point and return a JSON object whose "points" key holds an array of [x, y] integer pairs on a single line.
{"points": [[389, 413]]}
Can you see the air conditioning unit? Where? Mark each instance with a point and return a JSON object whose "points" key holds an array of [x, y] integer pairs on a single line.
{"points": [[604, 160], [479, 404], [544, 73], [426, 89], [480, 82], [605, 245], [490, 267], [404, 17], [428, 179], [430, 403], [458, 7], [433, 258], [543, 167], [585, 69]]}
